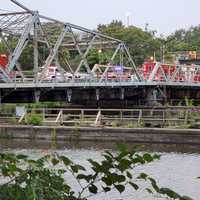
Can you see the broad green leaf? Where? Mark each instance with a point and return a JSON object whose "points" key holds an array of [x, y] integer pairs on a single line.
{"points": [[93, 189], [170, 193], [120, 188], [106, 189], [21, 157], [154, 185], [121, 147], [129, 175], [142, 176], [185, 198], [108, 181], [149, 190], [81, 176], [65, 160], [54, 161], [135, 186], [147, 157], [96, 166]]}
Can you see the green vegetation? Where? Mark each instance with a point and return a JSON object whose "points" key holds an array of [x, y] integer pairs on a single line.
{"points": [[183, 39], [34, 119], [8, 108], [114, 123], [142, 44], [13, 120], [43, 179]]}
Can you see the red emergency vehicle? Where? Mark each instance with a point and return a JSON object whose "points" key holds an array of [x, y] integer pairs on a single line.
{"points": [[3, 60], [168, 70]]}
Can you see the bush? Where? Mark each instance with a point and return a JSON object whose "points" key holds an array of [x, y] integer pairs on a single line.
{"points": [[12, 120], [35, 120], [8, 108], [131, 125]]}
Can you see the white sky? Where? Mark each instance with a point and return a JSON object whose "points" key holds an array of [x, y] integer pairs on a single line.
{"points": [[165, 16]]}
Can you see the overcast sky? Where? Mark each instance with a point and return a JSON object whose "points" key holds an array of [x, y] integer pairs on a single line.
{"points": [[165, 16]]}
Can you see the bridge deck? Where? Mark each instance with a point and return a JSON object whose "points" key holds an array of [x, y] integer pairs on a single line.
{"points": [[94, 84]]}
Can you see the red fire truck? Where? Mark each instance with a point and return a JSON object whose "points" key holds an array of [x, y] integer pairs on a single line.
{"points": [[189, 73], [148, 67], [3, 60]]}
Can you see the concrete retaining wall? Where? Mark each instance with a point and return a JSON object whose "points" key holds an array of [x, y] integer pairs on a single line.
{"points": [[143, 135]]}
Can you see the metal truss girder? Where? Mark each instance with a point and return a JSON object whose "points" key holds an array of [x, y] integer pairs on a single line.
{"points": [[154, 71], [22, 42], [33, 26], [132, 62], [173, 77], [15, 22], [43, 34], [35, 50], [85, 54], [54, 51], [110, 62], [13, 13], [157, 67], [162, 70], [10, 52], [81, 29], [67, 63], [80, 52], [4, 75], [21, 6], [96, 43]]}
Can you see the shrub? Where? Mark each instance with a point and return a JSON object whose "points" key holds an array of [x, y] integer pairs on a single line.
{"points": [[12, 120], [131, 125], [8, 108], [35, 120], [114, 124]]}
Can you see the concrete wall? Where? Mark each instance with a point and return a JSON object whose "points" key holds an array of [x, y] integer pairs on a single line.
{"points": [[143, 135]]}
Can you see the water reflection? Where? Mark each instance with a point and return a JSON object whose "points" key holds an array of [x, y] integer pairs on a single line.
{"points": [[61, 145]]}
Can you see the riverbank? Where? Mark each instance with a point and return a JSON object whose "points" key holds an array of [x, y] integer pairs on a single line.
{"points": [[136, 135]]}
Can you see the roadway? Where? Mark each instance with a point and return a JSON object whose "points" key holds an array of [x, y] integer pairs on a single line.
{"points": [[95, 84]]}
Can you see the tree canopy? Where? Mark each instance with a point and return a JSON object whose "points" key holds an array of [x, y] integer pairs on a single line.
{"points": [[142, 44]]}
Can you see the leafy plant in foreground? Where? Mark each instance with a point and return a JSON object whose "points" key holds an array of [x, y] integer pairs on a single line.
{"points": [[43, 179]]}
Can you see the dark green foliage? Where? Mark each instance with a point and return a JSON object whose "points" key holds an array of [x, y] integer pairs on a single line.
{"points": [[43, 179], [142, 44], [183, 39], [35, 120]]}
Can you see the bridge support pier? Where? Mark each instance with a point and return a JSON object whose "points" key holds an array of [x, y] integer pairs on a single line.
{"points": [[37, 95], [0, 97], [152, 96], [122, 92], [69, 95], [97, 94]]}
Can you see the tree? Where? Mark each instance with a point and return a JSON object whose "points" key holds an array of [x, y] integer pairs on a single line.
{"points": [[184, 40], [142, 44], [43, 179]]}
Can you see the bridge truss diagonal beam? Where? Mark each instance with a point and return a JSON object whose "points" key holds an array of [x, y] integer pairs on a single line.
{"points": [[28, 27]]}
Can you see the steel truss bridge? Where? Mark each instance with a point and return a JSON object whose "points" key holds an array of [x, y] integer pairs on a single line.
{"points": [[28, 27]]}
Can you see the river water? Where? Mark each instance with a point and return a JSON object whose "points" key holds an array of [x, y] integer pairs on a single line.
{"points": [[178, 167]]}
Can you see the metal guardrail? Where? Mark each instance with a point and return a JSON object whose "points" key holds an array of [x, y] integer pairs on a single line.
{"points": [[167, 116], [112, 117], [94, 84]]}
